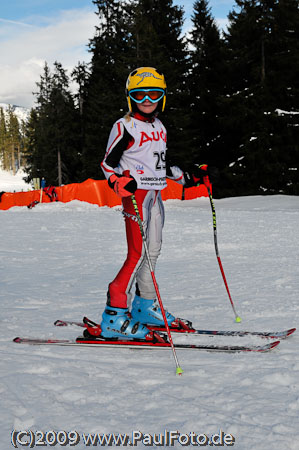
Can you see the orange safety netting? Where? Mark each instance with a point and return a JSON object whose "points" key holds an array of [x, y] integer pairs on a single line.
{"points": [[94, 191]]}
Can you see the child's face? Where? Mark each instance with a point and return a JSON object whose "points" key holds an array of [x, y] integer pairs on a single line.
{"points": [[147, 106]]}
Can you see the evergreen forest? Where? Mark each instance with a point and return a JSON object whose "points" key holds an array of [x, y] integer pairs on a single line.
{"points": [[12, 141], [232, 96]]}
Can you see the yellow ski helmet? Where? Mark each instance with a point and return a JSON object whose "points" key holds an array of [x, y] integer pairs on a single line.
{"points": [[146, 79]]}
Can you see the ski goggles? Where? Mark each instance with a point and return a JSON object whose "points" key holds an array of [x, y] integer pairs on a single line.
{"points": [[140, 95]]}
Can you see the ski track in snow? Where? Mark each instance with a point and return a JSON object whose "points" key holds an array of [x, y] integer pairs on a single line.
{"points": [[56, 261]]}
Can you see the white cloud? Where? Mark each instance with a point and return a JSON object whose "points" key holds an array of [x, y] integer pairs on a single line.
{"points": [[14, 22], [17, 81], [25, 48], [26, 44]]}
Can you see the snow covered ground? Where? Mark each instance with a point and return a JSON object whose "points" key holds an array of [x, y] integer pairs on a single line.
{"points": [[13, 183], [20, 112], [56, 261]]}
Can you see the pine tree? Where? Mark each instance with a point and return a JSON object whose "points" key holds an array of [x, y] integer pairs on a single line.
{"points": [[245, 119], [65, 118], [33, 165], [157, 39], [41, 159], [80, 75], [14, 141], [23, 144], [207, 86], [284, 82], [144, 33], [259, 86], [283, 74], [104, 100], [54, 132], [158, 42], [3, 140]]}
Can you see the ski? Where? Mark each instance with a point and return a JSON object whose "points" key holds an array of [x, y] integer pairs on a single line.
{"points": [[264, 334], [66, 323], [106, 343]]}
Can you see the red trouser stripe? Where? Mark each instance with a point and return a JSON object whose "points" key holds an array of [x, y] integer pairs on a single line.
{"points": [[120, 286]]}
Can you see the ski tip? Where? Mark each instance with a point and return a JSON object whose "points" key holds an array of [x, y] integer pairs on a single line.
{"points": [[60, 323], [179, 371], [274, 344], [291, 331], [17, 340], [267, 347]]}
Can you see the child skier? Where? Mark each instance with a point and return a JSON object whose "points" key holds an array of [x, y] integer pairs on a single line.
{"points": [[135, 162]]}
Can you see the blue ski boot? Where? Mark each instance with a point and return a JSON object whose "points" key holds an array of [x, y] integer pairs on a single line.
{"points": [[118, 323], [149, 312]]}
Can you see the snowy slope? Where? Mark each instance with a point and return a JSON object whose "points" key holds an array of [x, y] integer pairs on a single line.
{"points": [[21, 113], [56, 262], [8, 181], [13, 183]]}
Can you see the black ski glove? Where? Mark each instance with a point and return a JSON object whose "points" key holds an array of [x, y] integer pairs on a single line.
{"points": [[196, 175]]}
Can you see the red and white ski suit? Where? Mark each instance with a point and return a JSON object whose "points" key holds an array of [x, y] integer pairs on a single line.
{"points": [[139, 145]]}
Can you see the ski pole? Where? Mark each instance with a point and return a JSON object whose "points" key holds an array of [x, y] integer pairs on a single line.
{"points": [[208, 184], [179, 370]]}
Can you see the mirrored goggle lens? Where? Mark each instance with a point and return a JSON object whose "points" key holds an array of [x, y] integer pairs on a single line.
{"points": [[140, 96]]}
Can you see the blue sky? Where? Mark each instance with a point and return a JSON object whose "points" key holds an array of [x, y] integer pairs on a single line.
{"points": [[35, 31], [19, 9], [219, 9]]}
